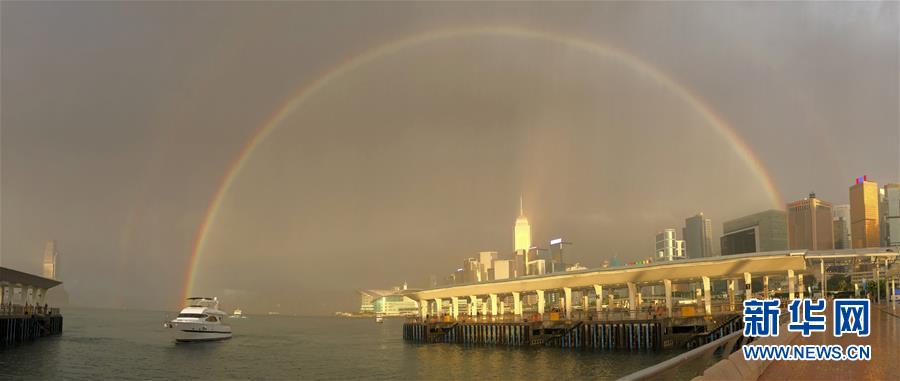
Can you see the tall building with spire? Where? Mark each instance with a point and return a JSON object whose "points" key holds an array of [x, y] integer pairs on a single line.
{"points": [[522, 230]]}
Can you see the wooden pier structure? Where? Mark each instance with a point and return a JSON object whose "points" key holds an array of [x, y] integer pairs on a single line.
{"points": [[24, 314], [641, 334]]}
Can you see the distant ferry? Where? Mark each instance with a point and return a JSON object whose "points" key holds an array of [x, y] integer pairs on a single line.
{"points": [[274, 313], [200, 321], [237, 314]]}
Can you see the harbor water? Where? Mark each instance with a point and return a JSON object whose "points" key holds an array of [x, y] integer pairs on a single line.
{"points": [[111, 344]]}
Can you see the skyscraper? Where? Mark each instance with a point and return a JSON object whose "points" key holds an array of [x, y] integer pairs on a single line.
{"points": [[697, 234], [892, 214], [841, 222], [763, 231], [668, 247], [522, 230], [51, 258], [864, 214], [810, 224]]}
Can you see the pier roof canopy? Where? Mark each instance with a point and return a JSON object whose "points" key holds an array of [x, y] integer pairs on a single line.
{"points": [[8, 275]]}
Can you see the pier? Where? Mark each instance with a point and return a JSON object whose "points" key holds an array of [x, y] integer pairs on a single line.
{"points": [[24, 314], [677, 304]]}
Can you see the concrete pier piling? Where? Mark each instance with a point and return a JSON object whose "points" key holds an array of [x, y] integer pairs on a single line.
{"points": [[20, 328], [630, 335]]}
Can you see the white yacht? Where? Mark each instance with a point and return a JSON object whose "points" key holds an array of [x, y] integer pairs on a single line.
{"points": [[237, 314], [201, 320]]}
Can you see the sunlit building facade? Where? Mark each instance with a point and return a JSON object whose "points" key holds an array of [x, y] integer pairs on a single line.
{"points": [[668, 246], [864, 216], [810, 224]]}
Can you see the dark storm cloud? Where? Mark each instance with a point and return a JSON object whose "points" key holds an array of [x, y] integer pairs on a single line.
{"points": [[120, 120]]}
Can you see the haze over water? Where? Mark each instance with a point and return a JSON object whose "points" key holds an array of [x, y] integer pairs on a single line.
{"points": [[111, 344]]}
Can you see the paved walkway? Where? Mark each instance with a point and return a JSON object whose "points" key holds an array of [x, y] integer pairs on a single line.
{"points": [[885, 364]]}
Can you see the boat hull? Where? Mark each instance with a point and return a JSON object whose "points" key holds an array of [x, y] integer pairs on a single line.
{"points": [[198, 332]]}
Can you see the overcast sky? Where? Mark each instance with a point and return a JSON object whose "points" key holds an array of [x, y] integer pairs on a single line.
{"points": [[120, 120]]}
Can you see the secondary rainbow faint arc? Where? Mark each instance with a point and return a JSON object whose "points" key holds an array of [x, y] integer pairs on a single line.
{"points": [[200, 238]]}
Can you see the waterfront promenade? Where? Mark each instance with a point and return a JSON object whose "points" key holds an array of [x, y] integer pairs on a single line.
{"points": [[885, 363]]}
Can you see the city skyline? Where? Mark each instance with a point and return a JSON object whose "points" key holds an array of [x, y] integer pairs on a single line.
{"points": [[238, 142]]}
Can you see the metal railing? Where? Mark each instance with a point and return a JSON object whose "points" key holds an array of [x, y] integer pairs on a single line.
{"points": [[18, 310], [692, 363]]}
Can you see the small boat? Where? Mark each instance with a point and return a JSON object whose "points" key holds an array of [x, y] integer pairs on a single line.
{"points": [[379, 319], [201, 320], [237, 314]]}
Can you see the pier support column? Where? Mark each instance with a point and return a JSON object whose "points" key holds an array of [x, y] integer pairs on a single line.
{"points": [[568, 292], [731, 306], [502, 308], [632, 299], [668, 285], [707, 296], [748, 286], [800, 285], [439, 304], [766, 287], [584, 303], [598, 290], [540, 302], [484, 308], [790, 276], [493, 304], [893, 290], [887, 296], [423, 309], [517, 304], [454, 307], [473, 306]]}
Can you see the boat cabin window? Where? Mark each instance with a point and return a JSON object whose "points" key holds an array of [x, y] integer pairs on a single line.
{"points": [[212, 318], [199, 316]]}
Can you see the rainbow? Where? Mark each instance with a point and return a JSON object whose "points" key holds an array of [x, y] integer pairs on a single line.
{"points": [[367, 56]]}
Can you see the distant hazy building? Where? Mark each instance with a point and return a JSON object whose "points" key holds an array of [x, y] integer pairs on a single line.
{"points": [[557, 260], [763, 231], [840, 215], [810, 224], [502, 269], [486, 261], [534, 254], [537, 267], [864, 214], [471, 270], [697, 234], [668, 246], [892, 214], [51, 260], [387, 302], [522, 230], [576, 267]]}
